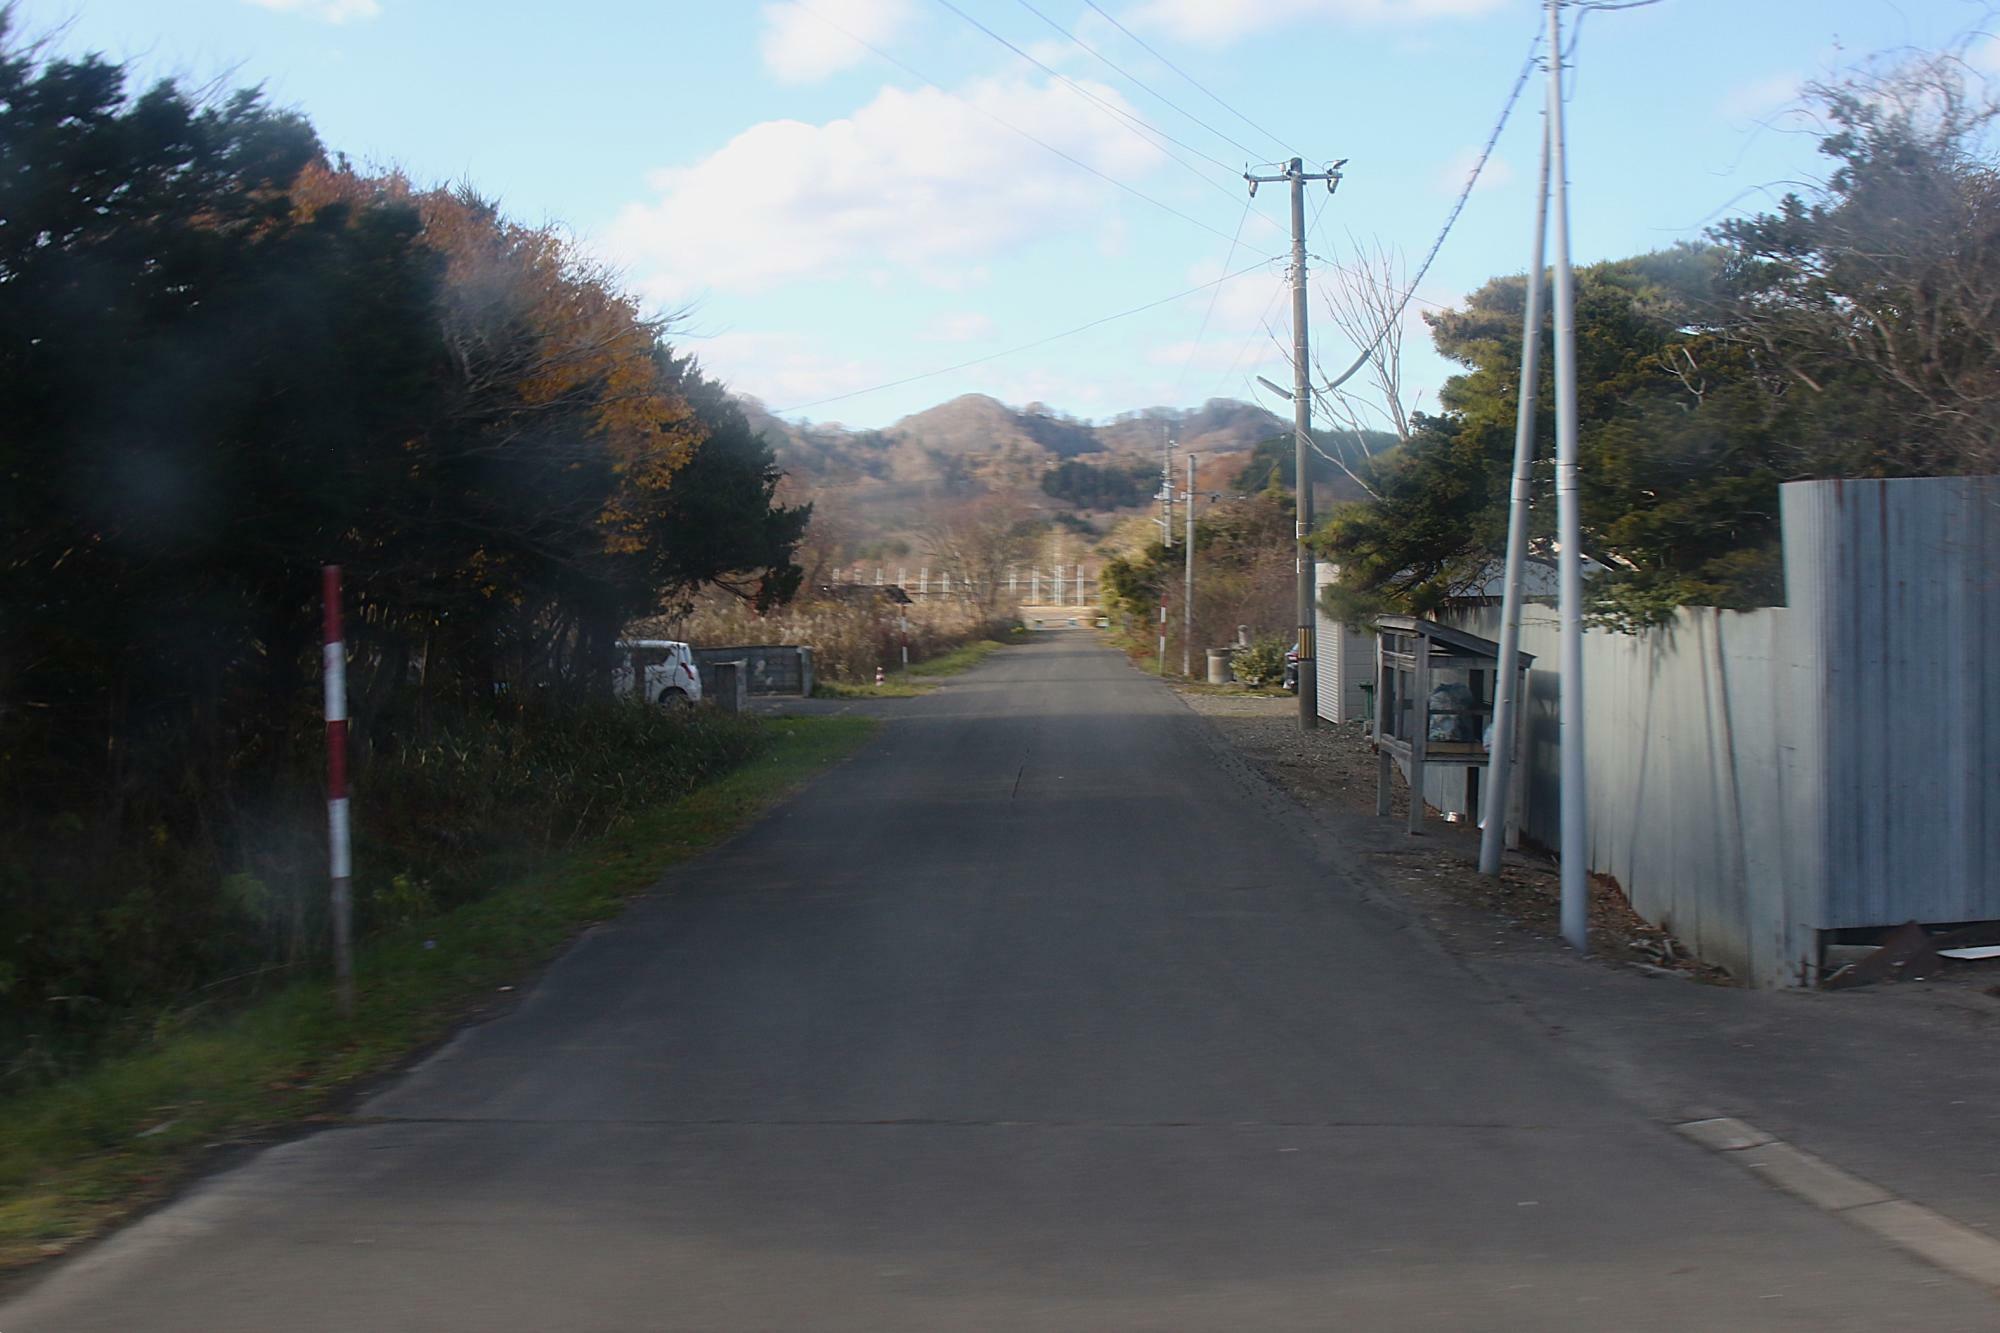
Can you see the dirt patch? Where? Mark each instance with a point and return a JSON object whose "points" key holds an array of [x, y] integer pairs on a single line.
{"points": [[1331, 771]]}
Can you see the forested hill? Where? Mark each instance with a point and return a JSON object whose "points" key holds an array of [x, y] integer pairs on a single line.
{"points": [[975, 442]]}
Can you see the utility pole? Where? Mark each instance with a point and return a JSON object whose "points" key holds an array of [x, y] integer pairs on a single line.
{"points": [[1167, 486], [1569, 558], [1187, 591], [1507, 681], [1297, 176]]}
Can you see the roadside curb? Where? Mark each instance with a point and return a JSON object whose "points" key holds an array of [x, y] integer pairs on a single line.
{"points": [[1930, 1236]]}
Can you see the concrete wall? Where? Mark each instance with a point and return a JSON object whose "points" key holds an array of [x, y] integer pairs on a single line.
{"points": [[769, 669], [1759, 777]]}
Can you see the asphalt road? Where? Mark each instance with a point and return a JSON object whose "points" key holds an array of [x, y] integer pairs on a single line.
{"points": [[1038, 1014]]}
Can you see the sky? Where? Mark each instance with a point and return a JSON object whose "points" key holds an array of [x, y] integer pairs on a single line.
{"points": [[819, 218]]}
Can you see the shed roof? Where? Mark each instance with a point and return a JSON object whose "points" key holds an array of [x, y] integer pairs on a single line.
{"points": [[1446, 634]]}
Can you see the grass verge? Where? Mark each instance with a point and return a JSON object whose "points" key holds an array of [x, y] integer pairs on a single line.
{"points": [[892, 687], [916, 679], [76, 1156], [962, 658]]}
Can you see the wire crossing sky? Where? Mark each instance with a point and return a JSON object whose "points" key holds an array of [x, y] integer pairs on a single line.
{"points": [[873, 205]]}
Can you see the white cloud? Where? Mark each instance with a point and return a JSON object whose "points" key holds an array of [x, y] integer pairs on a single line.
{"points": [[1760, 97], [332, 11], [916, 180], [1241, 301], [781, 368], [961, 326], [1451, 179], [800, 47], [1219, 22]]}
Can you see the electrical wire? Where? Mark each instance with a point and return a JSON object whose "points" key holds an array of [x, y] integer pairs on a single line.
{"points": [[1584, 11], [1451, 218], [1005, 124], [1250, 341], [1214, 295], [1028, 346], [1136, 80], [1132, 122], [1147, 47]]}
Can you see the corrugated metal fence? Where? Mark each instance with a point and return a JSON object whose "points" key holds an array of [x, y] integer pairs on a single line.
{"points": [[1759, 777]]}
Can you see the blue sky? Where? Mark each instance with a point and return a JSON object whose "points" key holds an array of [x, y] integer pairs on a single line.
{"points": [[825, 221]]}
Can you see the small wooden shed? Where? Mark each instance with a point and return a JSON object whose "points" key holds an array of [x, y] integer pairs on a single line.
{"points": [[1434, 694]]}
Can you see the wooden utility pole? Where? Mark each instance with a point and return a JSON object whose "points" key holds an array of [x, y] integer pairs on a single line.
{"points": [[1296, 175], [1187, 593]]}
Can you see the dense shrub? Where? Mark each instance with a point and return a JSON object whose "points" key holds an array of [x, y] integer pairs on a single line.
{"points": [[1262, 663], [99, 927], [849, 637]]}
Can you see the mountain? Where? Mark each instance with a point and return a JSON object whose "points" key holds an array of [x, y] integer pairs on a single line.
{"points": [[876, 488], [976, 442]]}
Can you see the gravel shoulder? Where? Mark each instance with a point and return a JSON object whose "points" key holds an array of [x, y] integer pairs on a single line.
{"points": [[1897, 1083], [1331, 772]]}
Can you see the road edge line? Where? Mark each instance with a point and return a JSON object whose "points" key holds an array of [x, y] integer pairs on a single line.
{"points": [[1929, 1235]]}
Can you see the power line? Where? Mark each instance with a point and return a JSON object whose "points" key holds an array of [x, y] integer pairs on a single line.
{"points": [[1584, 11], [1025, 347], [1214, 295], [1132, 124], [1141, 83], [1135, 123], [1451, 218], [1005, 124], [1192, 81], [1250, 341]]}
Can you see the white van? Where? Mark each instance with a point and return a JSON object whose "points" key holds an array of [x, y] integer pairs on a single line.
{"points": [[669, 673]]}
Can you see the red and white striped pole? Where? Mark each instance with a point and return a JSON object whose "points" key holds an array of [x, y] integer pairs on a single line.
{"points": [[339, 844]]}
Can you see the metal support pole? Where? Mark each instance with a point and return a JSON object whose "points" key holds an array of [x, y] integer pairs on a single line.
{"points": [[1187, 590], [340, 863], [1507, 678], [1569, 529]]}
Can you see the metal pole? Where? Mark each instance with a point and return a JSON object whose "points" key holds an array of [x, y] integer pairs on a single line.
{"points": [[1500, 761], [1308, 674], [1187, 591], [340, 863], [1163, 633], [1569, 528]]}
